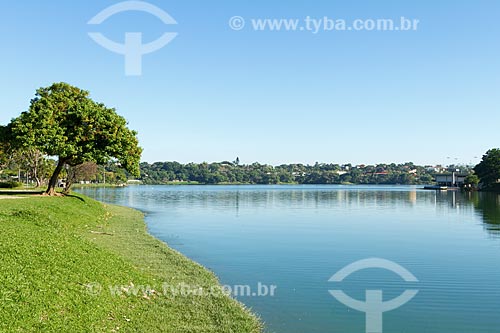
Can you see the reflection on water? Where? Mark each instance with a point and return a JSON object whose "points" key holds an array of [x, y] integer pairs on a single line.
{"points": [[297, 237], [488, 205], [234, 197]]}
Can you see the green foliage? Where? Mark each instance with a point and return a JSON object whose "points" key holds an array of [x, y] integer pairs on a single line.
{"points": [[488, 170], [3, 134], [10, 184], [426, 179], [63, 121], [4, 144], [60, 256], [472, 179], [320, 173]]}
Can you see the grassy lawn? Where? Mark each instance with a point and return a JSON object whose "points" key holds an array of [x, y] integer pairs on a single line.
{"points": [[75, 265]]}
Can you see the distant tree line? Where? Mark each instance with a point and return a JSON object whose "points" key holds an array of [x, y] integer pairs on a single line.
{"points": [[320, 173], [34, 167]]}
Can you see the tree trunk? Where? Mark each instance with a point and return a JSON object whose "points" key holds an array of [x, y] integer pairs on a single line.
{"points": [[35, 170], [51, 190], [67, 188]]}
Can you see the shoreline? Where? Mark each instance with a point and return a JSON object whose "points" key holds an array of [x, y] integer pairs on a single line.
{"points": [[89, 248], [238, 184]]}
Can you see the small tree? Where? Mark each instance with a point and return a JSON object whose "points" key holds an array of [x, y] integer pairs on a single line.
{"points": [[63, 121], [33, 162], [84, 171], [488, 170], [472, 180]]}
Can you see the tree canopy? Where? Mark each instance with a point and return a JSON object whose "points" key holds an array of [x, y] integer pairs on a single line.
{"points": [[488, 170], [63, 121], [256, 173], [3, 144]]}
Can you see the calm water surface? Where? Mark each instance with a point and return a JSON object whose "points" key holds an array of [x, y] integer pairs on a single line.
{"points": [[297, 237]]}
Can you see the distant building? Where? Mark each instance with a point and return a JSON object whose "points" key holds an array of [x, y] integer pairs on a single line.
{"points": [[437, 168], [450, 179]]}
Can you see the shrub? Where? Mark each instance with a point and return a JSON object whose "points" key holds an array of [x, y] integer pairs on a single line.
{"points": [[10, 184]]}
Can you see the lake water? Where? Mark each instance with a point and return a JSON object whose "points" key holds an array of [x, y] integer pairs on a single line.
{"points": [[297, 237]]}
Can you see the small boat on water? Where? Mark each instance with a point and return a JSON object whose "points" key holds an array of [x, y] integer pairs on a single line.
{"points": [[441, 188]]}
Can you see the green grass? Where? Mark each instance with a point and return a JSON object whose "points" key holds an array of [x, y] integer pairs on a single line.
{"points": [[59, 256]]}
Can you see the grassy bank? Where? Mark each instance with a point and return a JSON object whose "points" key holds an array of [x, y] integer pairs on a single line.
{"points": [[75, 265]]}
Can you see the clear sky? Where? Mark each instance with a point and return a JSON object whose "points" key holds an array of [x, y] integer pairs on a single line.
{"points": [[214, 93]]}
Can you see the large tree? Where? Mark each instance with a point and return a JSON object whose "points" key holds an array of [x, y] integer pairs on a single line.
{"points": [[488, 170], [63, 121]]}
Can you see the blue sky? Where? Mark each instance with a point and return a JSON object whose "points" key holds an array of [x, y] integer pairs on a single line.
{"points": [[275, 97]]}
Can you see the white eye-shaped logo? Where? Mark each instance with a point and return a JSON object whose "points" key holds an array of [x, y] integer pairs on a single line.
{"points": [[133, 49], [374, 305]]}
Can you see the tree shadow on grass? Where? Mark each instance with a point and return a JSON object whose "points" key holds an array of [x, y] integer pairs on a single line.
{"points": [[17, 192], [75, 197]]}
